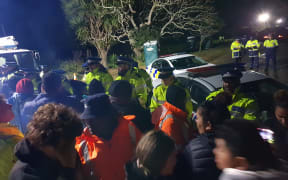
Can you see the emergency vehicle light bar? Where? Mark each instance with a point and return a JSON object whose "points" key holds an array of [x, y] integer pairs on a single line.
{"points": [[174, 54], [8, 42], [214, 70]]}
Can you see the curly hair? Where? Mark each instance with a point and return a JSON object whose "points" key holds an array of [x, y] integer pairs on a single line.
{"points": [[52, 122]]}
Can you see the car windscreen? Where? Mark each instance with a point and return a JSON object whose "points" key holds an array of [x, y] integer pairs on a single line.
{"points": [[262, 92], [187, 62], [25, 60]]}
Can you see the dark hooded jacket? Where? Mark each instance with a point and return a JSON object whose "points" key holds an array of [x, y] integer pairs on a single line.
{"points": [[33, 164]]}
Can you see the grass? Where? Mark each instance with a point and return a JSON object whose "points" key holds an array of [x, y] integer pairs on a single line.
{"points": [[217, 55]]}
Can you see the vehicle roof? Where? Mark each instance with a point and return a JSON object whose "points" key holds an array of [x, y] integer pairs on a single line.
{"points": [[178, 56], [2, 51], [215, 80]]}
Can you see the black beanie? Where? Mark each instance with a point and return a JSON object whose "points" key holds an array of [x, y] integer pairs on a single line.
{"points": [[175, 95], [121, 89]]}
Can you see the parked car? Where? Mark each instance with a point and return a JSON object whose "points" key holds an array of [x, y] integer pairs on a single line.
{"points": [[202, 81], [179, 61]]}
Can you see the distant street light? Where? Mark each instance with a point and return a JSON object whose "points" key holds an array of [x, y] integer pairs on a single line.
{"points": [[279, 21], [263, 18]]}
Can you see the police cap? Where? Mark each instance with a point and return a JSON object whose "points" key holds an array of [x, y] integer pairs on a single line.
{"points": [[165, 72], [93, 60], [124, 60], [232, 74]]}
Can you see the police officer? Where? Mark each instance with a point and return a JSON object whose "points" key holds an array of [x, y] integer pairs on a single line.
{"points": [[270, 51], [147, 80], [128, 73], [236, 48], [242, 107], [159, 93], [253, 52], [98, 72]]}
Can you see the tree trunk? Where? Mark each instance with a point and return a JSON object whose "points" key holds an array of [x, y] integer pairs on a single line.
{"points": [[103, 54], [201, 43], [137, 52]]}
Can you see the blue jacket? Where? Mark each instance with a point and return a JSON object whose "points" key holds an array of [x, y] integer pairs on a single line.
{"points": [[199, 159], [42, 99], [17, 100]]}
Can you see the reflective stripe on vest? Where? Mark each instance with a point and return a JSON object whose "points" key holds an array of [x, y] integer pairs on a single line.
{"points": [[158, 101], [84, 150], [163, 120], [236, 54]]}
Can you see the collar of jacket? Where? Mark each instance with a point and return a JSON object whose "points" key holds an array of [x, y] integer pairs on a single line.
{"points": [[175, 82], [96, 71], [235, 94], [176, 111], [9, 131]]}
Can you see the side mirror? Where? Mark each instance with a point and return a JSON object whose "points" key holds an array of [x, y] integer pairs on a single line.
{"points": [[36, 55]]}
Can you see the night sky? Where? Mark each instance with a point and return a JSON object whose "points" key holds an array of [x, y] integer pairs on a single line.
{"points": [[41, 24]]}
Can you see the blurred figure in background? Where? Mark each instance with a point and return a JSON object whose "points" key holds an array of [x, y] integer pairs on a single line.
{"points": [[47, 151], [98, 72], [270, 46], [242, 154], [155, 157], [128, 73], [237, 48], [24, 93], [253, 52], [9, 137]]}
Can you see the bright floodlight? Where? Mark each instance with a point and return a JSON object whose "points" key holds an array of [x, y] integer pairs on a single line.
{"points": [[279, 21], [263, 17]]}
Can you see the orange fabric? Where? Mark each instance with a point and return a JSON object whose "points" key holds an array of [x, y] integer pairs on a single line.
{"points": [[10, 131], [109, 157], [173, 127]]}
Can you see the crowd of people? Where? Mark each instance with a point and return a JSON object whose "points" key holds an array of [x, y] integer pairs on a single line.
{"points": [[126, 129]]}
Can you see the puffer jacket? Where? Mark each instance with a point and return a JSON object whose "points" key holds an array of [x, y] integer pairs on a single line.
{"points": [[198, 158]]}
